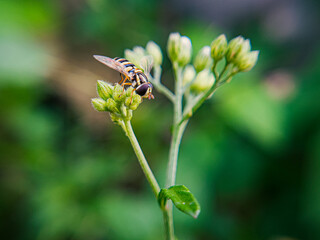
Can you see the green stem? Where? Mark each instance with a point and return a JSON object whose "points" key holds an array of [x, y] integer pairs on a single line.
{"points": [[168, 222], [174, 152], [158, 85], [200, 101], [141, 158], [177, 131], [174, 149]]}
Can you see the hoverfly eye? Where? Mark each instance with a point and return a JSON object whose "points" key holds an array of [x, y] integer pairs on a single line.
{"points": [[142, 89]]}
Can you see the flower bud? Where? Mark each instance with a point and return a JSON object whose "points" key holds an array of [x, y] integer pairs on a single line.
{"points": [[135, 55], [219, 48], [203, 59], [245, 48], [146, 63], [203, 81], [188, 74], [118, 93], [185, 51], [129, 91], [99, 104], [247, 61], [234, 48], [133, 101], [104, 90], [115, 118], [173, 46], [154, 50], [112, 105], [129, 55]]}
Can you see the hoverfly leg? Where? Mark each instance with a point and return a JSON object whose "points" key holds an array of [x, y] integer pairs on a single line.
{"points": [[124, 81], [121, 79]]}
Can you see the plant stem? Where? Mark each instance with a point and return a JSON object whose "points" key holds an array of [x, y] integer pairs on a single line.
{"points": [[168, 222], [177, 132], [159, 86], [141, 158], [199, 102]]}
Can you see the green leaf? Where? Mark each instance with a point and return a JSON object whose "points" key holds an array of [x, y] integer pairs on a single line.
{"points": [[182, 198]]}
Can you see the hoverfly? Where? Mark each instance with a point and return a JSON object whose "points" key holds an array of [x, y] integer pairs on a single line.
{"points": [[130, 75]]}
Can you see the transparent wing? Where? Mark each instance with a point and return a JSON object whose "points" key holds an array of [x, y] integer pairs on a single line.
{"points": [[111, 63]]}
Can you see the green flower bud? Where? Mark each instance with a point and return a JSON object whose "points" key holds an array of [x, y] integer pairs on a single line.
{"points": [[112, 105], [247, 61], [104, 89], [146, 63], [118, 93], [129, 55], [99, 104], [135, 55], [132, 102], [136, 100], [129, 91], [203, 81], [203, 59], [234, 48], [154, 50], [115, 118], [173, 46], [245, 48], [189, 74], [219, 47], [185, 51]]}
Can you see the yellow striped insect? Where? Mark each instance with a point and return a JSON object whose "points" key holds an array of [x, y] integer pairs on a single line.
{"points": [[130, 75]]}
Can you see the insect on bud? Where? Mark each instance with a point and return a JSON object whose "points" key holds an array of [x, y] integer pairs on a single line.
{"points": [[203, 59], [188, 74], [234, 48], [185, 51], [99, 104], [104, 89], [154, 50], [248, 61], [219, 48], [173, 46], [203, 81]]}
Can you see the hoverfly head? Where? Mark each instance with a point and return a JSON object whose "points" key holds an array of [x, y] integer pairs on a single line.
{"points": [[145, 90]]}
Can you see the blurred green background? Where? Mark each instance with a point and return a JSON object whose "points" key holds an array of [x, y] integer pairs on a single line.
{"points": [[251, 155]]}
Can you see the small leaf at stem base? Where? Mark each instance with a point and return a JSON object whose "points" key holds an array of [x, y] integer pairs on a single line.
{"points": [[182, 198]]}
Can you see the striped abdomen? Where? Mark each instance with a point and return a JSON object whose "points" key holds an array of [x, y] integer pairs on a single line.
{"points": [[137, 76]]}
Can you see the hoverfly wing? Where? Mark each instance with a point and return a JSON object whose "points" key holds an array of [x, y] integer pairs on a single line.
{"points": [[146, 63], [111, 63]]}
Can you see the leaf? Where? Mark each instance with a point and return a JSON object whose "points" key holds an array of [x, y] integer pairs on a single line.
{"points": [[182, 198]]}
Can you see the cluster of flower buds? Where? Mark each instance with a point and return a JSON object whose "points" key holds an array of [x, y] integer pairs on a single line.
{"points": [[116, 100], [145, 57], [179, 49], [199, 77], [237, 52]]}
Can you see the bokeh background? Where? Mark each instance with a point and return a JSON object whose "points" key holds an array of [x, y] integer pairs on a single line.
{"points": [[251, 155]]}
